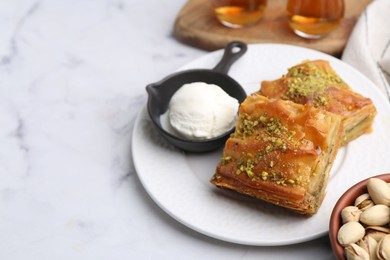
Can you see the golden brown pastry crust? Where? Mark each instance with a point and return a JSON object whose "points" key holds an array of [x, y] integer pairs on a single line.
{"points": [[280, 152], [316, 83]]}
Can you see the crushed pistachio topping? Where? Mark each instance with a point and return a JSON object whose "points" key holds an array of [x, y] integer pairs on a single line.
{"points": [[272, 126], [247, 125], [298, 180], [263, 165], [225, 159], [246, 167], [216, 177], [271, 164], [264, 175], [279, 179], [309, 81], [286, 181]]}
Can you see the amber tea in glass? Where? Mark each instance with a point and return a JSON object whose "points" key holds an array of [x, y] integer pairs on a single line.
{"points": [[238, 13], [314, 18]]}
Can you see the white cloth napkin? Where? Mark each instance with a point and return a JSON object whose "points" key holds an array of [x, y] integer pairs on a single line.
{"points": [[368, 48]]}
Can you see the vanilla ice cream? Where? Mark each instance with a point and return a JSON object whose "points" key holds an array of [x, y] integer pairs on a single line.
{"points": [[199, 111]]}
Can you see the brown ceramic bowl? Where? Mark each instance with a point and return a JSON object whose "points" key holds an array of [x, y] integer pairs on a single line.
{"points": [[347, 199]]}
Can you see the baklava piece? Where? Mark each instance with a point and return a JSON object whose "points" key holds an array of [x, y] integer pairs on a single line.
{"points": [[317, 84], [281, 152]]}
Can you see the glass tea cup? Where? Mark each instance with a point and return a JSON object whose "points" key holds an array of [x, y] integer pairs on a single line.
{"points": [[313, 19], [238, 13]]}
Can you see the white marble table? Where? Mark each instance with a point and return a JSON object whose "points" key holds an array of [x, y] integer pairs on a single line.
{"points": [[72, 80]]}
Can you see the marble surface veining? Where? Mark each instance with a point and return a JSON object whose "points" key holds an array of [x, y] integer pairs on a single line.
{"points": [[72, 80]]}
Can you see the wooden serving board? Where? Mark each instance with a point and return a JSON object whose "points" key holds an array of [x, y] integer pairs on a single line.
{"points": [[197, 25]]}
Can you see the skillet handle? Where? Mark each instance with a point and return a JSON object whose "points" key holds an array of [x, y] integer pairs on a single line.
{"points": [[233, 51]]}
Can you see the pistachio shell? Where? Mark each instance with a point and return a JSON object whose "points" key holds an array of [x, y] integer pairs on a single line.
{"points": [[355, 252], [364, 196], [350, 232], [369, 244], [366, 205], [377, 233], [377, 215], [364, 202], [350, 213], [379, 191], [383, 248], [378, 228]]}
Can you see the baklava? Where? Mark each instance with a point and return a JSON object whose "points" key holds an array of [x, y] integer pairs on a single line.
{"points": [[281, 152], [317, 84]]}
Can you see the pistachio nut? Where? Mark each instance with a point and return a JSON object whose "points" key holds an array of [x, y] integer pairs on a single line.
{"points": [[354, 252], [379, 191], [364, 201], [350, 213], [377, 215], [364, 196], [376, 232], [369, 244], [350, 232], [378, 228], [383, 248]]}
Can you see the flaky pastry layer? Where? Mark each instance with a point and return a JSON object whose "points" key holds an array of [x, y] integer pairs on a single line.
{"points": [[281, 152], [316, 83]]}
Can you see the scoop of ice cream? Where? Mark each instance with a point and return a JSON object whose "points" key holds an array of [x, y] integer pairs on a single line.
{"points": [[199, 111]]}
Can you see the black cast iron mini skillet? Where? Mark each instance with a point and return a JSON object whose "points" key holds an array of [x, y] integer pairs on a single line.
{"points": [[160, 94]]}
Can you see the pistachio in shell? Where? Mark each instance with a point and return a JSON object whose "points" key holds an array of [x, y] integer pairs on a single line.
{"points": [[364, 196], [369, 244], [354, 252], [383, 248], [379, 191], [350, 213], [376, 232], [350, 232], [377, 215], [364, 202]]}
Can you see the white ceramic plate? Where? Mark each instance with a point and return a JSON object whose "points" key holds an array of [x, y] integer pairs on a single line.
{"points": [[179, 182]]}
